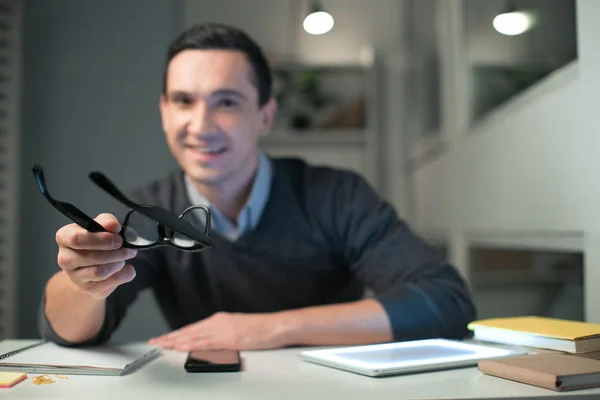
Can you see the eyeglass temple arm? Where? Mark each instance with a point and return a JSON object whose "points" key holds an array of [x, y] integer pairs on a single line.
{"points": [[38, 172], [102, 181], [159, 214], [69, 210]]}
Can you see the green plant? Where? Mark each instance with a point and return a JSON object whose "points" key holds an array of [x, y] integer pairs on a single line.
{"points": [[310, 88]]}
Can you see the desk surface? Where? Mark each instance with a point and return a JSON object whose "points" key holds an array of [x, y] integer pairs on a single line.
{"points": [[277, 374]]}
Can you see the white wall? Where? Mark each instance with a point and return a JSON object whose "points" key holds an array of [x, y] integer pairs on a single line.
{"points": [[531, 167]]}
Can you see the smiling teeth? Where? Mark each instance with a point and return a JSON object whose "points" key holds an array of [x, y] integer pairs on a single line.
{"points": [[212, 150]]}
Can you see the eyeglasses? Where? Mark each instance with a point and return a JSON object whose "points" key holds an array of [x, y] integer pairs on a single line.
{"points": [[144, 226]]}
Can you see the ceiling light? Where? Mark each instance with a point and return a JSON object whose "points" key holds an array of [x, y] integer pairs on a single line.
{"points": [[318, 21], [513, 22]]}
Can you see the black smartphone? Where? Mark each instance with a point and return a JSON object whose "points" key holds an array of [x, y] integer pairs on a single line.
{"points": [[213, 361]]}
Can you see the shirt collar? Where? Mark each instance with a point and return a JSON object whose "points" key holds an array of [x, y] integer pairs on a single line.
{"points": [[254, 206]]}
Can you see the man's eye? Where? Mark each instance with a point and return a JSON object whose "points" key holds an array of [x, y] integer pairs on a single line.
{"points": [[227, 103], [182, 101]]}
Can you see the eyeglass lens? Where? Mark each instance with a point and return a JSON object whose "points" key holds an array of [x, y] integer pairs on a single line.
{"points": [[140, 230]]}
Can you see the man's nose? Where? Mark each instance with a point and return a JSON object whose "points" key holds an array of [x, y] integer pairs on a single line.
{"points": [[201, 120]]}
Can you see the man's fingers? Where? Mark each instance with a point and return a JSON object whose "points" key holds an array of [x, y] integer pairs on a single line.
{"points": [[180, 341], [97, 272], [166, 338], [187, 330], [123, 276], [184, 336], [100, 287], [109, 222], [75, 237], [200, 344], [70, 259], [163, 342], [172, 337]]}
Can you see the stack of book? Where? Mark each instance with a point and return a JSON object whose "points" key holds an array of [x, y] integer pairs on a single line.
{"points": [[540, 332], [565, 354]]}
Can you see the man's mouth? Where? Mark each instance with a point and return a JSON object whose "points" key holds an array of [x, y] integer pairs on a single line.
{"points": [[213, 149]]}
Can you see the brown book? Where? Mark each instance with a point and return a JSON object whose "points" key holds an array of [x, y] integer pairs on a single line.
{"points": [[558, 372], [590, 354]]}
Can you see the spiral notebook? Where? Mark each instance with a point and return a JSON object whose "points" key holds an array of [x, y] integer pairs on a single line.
{"points": [[49, 358]]}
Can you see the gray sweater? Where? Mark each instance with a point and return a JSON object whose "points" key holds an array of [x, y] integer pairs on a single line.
{"points": [[324, 236]]}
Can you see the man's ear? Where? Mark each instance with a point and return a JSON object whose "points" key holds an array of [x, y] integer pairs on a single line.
{"points": [[269, 112]]}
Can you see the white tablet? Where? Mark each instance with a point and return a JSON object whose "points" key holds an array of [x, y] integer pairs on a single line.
{"points": [[405, 357]]}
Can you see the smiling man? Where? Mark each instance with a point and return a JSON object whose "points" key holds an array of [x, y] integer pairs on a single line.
{"points": [[213, 116], [294, 245]]}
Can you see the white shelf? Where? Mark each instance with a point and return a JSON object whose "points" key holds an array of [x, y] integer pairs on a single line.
{"points": [[528, 240], [314, 137]]}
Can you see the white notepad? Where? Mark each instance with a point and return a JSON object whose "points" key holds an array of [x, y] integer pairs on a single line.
{"points": [[50, 358], [405, 357]]}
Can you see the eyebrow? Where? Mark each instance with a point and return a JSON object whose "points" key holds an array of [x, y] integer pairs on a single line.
{"points": [[229, 92], [220, 92]]}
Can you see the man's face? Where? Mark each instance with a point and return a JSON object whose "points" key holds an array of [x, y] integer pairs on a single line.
{"points": [[211, 116]]}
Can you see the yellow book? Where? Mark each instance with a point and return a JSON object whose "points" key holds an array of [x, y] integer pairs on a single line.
{"points": [[541, 332]]}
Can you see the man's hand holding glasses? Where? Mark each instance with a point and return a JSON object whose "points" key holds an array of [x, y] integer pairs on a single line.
{"points": [[93, 252], [95, 261]]}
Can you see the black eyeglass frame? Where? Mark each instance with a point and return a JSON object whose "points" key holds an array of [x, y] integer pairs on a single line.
{"points": [[167, 239], [167, 223]]}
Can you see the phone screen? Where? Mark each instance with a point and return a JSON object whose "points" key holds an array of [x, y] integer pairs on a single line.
{"points": [[213, 361]]}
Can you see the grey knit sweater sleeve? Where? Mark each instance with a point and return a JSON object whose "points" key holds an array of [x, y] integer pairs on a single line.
{"points": [[422, 295]]}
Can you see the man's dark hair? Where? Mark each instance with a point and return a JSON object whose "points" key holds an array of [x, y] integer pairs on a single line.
{"points": [[215, 36]]}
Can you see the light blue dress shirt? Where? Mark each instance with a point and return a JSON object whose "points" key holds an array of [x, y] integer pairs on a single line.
{"points": [[252, 210]]}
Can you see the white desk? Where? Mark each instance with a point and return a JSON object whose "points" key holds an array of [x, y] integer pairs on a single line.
{"points": [[276, 374]]}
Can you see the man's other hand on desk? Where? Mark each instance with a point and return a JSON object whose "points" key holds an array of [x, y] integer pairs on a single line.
{"points": [[226, 331], [360, 322]]}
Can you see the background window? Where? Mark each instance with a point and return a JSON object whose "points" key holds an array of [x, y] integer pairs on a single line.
{"points": [[512, 282], [511, 45]]}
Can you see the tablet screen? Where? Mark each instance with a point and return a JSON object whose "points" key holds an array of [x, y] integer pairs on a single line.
{"points": [[417, 354], [400, 355]]}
